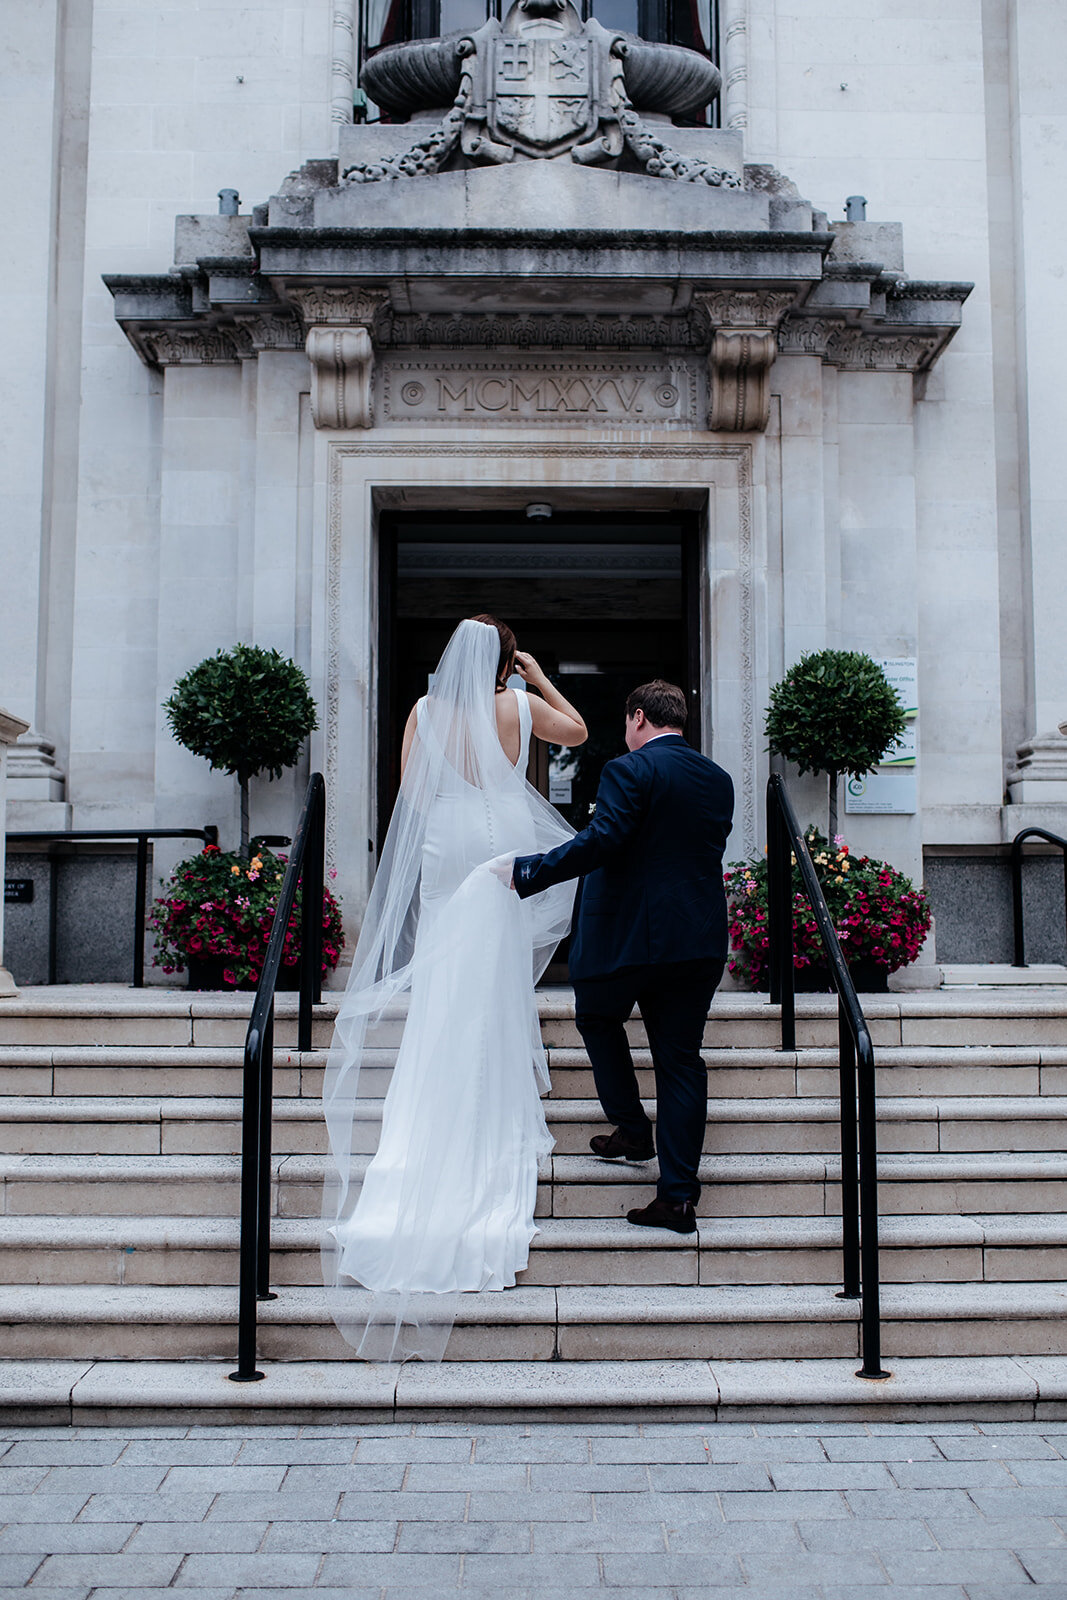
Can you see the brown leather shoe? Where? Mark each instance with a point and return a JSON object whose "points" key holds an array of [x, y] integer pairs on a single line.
{"points": [[662, 1214], [618, 1146]]}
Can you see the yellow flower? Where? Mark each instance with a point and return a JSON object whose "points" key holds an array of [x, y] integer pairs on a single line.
{"points": [[236, 871]]}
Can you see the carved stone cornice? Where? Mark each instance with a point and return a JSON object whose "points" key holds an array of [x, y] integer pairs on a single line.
{"points": [[336, 305], [744, 308], [539, 330], [342, 365], [273, 331], [195, 347]]}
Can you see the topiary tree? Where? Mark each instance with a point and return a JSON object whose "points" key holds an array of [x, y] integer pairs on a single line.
{"points": [[245, 710], [834, 712]]}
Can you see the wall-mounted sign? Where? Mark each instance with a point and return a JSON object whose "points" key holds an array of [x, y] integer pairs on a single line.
{"points": [[893, 790], [18, 891], [890, 793]]}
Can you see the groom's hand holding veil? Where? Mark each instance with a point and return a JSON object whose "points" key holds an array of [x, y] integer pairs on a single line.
{"points": [[503, 867]]}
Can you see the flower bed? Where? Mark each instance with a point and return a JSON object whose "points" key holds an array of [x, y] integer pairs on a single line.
{"points": [[217, 911], [881, 918]]}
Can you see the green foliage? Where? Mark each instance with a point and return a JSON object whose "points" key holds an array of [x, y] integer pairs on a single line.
{"points": [[245, 710], [834, 711]]}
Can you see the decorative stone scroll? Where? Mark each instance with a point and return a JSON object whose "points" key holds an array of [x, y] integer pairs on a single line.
{"points": [[342, 365], [744, 344]]}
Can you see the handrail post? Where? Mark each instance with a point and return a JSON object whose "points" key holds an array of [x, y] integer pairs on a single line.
{"points": [[246, 1307], [266, 1111], [868, 1141], [1019, 959], [140, 896], [774, 932], [850, 1197]]}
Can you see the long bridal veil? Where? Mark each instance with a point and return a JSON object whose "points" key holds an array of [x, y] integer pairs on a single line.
{"points": [[432, 1083]]}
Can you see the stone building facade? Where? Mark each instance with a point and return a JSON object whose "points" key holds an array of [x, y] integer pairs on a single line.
{"points": [[558, 328]]}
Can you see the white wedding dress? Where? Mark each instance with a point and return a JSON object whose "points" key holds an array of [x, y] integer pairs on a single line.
{"points": [[445, 1205]]}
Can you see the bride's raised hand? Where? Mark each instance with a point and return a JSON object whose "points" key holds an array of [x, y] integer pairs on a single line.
{"points": [[528, 669]]}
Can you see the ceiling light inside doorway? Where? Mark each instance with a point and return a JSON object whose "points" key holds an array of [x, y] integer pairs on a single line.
{"points": [[539, 511]]}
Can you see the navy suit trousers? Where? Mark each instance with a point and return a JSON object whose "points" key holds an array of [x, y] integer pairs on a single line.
{"points": [[673, 1000]]}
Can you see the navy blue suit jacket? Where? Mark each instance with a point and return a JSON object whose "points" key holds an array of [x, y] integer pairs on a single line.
{"points": [[650, 863]]}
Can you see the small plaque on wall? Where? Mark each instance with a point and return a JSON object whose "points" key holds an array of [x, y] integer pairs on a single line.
{"points": [[887, 792], [18, 891]]}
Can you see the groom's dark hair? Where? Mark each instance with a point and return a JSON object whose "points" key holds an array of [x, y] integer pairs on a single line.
{"points": [[663, 704]]}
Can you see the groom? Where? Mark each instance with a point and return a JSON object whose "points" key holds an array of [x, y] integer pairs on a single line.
{"points": [[650, 929]]}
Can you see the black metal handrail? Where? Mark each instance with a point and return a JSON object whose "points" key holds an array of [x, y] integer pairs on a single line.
{"points": [[1017, 885], [209, 833], [859, 1189], [306, 862]]}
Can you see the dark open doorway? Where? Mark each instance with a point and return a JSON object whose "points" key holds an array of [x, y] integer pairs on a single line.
{"points": [[604, 601]]}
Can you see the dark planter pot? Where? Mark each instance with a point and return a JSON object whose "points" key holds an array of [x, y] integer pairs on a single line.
{"points": [[208, 975], [868, 977]]}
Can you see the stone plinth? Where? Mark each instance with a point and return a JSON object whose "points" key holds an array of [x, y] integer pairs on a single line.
{"points": [[1040, 772], [11, 727]]}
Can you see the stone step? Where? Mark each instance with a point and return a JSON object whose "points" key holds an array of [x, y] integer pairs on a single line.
{"points": [[69, 1124], [106, 1016], [568, 1185], [163, 1250], [53, 1322], [743, 1072], [185, 1393]]}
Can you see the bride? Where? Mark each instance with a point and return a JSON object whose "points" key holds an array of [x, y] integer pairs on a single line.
{"points": [[445, 1203]]}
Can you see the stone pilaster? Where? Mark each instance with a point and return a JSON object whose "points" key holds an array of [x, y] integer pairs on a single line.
{"points": [[11, 728]]}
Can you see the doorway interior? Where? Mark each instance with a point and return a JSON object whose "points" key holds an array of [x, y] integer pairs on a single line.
{"points": [[603, 601]]}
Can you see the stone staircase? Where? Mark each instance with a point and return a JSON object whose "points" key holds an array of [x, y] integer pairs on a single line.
{"points": [[119, 1140]]}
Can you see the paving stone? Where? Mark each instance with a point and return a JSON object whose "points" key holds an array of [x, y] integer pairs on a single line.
{"points": [[766, 1450], [711, 1477], [103, 1480], [445, 1538], [1042, 1565], [600, 1479], [144, 1571], [18, 1567], [64, 1451], [435, 1476], [599, 1537], [660, 1448], [830, 1475], [42, 1507], [225, 1480], [274, 1571], [868, 1533], [189, 1538], [550, 1447], [297, 1452], [147, 1508], [986, 1533], [273, 1507], [914, 1503], [411, 1449], [372, 1538], [419, 1571], [823, 1567], [952, 1566], [21, 1480], [1004, 1591], [142, 1452], [46, 1592], [668, 1571], [1010, 1502], [528, 1507], [1037, 1474], [814, 1503], [571, 1571], [752, 1592], [374, 1477], [737, 1537], [949, 1474], [1008, 1446], [358, 1506], [939, 1591], [912, 1447], [51, 1538]]}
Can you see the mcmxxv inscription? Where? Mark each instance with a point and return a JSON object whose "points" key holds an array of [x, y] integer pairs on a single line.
{"points": [[643, 394]]}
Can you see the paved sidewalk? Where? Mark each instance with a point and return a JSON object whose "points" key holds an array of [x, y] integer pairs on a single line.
{"points": [[793, 1511]]}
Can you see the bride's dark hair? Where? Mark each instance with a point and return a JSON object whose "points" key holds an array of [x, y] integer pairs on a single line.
{"points": [[508, 647]]}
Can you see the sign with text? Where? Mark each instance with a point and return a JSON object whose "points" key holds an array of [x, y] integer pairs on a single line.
{"points": [[893, 790]]}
